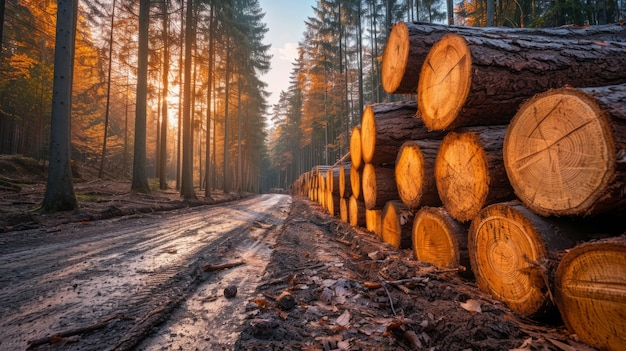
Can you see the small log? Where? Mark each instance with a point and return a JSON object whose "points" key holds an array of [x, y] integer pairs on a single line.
{"points": [[356, 211], [469, 171], [345, 188], [397, 225], [379, 186], [409, 43], [590, 291], [514, 252], [332, 203], [385, 126], [343, 210], [355, 148], [415, 173], [220, 267], [564, 151], [355, 183], [440, 240], [374, 222], [468, 81]]}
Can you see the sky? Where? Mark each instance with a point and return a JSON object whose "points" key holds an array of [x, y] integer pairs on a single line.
{"points": [[285, 21]]}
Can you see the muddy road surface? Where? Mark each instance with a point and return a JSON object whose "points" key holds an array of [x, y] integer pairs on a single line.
{"points": [[137, 282]]}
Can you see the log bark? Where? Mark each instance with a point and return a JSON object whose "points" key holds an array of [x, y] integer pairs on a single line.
{"points": [[408, 45], [356, 157], [590, 291], [564, 151], [513, 254], [374, 222], [355, 183], [343, 210], [385, 126], [345, 186], [469, 81], [397, 224], [378, 185], [356, 211], [469, 171], [440, 240], [415, 173], [332, 180]]}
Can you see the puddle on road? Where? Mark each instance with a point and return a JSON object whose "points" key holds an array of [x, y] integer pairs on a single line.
{"points": [[210, 321]]}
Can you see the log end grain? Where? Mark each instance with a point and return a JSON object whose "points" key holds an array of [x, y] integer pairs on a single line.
{"points": [[397, 222], [355, 147], [461, 174], [505, 249], [356, 212], [374, 222], [444, 82], [343, 210], [590, 291], [355, 183], [368, 134], [559, 153], [395, 58], [409, 174]]}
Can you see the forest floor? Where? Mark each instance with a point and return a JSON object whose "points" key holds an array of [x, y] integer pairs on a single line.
{"points": [[327, 286]]}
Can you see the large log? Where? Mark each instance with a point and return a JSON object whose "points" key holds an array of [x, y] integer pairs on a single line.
{"points": [[564, 151], [469, 171], [397, 222], [514, 252], [332, 202], [385, 126], [345, 188], [590, 291], [356, 212], [343, 210], [374, 221], [415, 175], [356, 157], [355, 183], [378, 185], [408, 45], [469, 81], [441, 240]]}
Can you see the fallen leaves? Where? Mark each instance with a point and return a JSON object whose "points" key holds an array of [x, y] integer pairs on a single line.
{"points": [[471, 305]]}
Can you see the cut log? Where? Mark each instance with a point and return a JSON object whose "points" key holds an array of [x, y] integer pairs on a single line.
{"points": [[408, 45], [355, 183], [415, 175], [564, 151], [514, 252], [469, 171], [343, 210], [378, 185], [440, 240], [332, 180], [345, 187], [356, 212], [355, 148], [469, 81], [374, 222], [332, 202], [590, 291], [397, 224], [385, 126]]}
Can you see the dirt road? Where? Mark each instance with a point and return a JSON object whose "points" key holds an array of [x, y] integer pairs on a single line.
{"points": [[120, 279]]}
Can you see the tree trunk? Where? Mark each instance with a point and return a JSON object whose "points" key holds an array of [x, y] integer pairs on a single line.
{"points": [[355, 148], [440, 240], [397, 222], [589, 290], [374, 222], [469, 171], [564, 151], [378, 185], [409, 43], [480, 81], [385, 126], [164, 106], [209, 97], [513, 254], [187, 190], [345, 188], [355, 183], [415, 173], [356, 212], [59, 189]]}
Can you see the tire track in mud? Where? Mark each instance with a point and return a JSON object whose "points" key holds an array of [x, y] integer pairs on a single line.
{"points": [[140, 268]]}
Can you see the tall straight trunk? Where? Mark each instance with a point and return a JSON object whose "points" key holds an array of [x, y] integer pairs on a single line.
{"points": [[164, 124], [140, 181], [491, 9], [180, 99], [450, 5], [186, 189], [207, 166], [360, 49], [226, 129], [239, 175], [59, 190], [106, 113]]}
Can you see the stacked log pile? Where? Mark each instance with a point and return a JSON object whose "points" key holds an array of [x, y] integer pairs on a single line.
{"points": [[518, 136]]}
